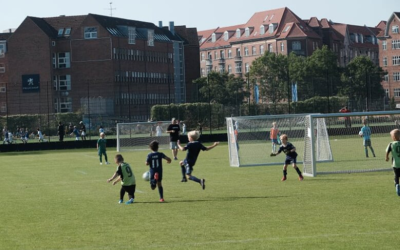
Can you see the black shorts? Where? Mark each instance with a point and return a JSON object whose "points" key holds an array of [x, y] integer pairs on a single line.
{"points": [[129, 189]]}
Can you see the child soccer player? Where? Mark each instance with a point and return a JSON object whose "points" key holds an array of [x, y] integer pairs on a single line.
{"points": [[365, 132], [154, 161], [101, 148], [193, 149], [76, 133], [394, 146], [127, 178], [291, 156], [273, 135]]}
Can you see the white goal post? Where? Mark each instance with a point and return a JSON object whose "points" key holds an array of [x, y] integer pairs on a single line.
{"points": [[250, 144], [138, 135]]}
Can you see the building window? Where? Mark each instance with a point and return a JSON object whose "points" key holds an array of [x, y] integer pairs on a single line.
{"points": [[385, 61], [384, 45], [131, 35], [262, 29], [270, 48], [226, 35], [67, 32], [396, 93], [396, 76], [60, 32], [65, 83], [253, 50], [386, 78], [3, 107], [150, 37], [395, 60], [395, 44], [247, 32], [296, 45], [247, 67], [202, 56], [395, 29], [221, 69], [238, 33], [229, 69], [261, 49], [237, 52], [64, 60], [209, 56], [213, 37], [229, 53], [238, 68], [2, 47], [222, 54], [246, 51], [215, 54], [63, 105], [90, 32], [282, 46]]}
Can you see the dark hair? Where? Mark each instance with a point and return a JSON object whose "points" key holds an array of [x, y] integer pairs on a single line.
{"points": [[154, 145], [119, 158]]}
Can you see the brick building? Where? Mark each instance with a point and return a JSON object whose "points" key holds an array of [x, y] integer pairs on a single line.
{"points": [[389, 56], [232, 49], [97, 64]]}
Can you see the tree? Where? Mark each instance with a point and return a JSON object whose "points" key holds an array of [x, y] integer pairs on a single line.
{"points": [[221, 88], [271, 71], [362, 80]]}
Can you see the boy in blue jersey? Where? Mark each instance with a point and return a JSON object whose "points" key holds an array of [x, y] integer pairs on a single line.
{"points": [[127, 178], [290, 150], [193, 149], [394, 148], [154, 161], [365, 132]]}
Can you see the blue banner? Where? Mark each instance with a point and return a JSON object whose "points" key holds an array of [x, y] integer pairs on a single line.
{"points": [[256, 93], [294, 92]]}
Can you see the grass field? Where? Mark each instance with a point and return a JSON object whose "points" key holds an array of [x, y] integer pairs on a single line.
{"points": [[61, 200]]}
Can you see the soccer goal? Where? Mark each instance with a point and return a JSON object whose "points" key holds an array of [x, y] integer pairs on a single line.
{"points": [[250, 143], [138, 135], [325, 143]]}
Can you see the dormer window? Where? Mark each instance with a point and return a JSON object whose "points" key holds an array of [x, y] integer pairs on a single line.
{"points": [[238, 33], [287, 28], [262, 30], [247, 32], [226, 35], [90, 32], [356, 37], [67, 32], [60, 32], [395, 29], [131, 35], [213, 38]]}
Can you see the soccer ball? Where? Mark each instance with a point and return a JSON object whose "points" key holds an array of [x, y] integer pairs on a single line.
{"points": [[146, 176], [360, 133]]}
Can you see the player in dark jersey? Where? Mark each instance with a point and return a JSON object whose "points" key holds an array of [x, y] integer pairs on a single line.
{"points": [[154, 161], [290, 150], [193, 149]]}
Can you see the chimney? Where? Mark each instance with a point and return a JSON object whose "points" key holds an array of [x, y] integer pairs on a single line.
{"points": [[160, 24], [172, 27]]}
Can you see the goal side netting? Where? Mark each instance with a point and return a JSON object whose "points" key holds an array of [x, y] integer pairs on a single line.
{"points": [[250, 143], [138, 135]]}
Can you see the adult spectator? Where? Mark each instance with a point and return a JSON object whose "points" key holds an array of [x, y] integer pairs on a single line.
{"points": [[347, 120], [83, 130], [173, 130], [61, 132]]}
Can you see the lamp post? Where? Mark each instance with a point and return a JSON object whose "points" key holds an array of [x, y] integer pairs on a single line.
{"points": [[248, 88], [209, 67]]}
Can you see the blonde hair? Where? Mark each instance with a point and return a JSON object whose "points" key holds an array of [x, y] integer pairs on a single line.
{"points": [[284, 136], [195, 135], [395, 134], [274, 124]]}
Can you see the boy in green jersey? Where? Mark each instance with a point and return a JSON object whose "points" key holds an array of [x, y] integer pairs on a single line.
{"points": [[101, 148], [394, 148], [127, 178]]}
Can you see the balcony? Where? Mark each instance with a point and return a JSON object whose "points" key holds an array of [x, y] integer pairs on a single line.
{"points": [[238, 59], [221, 61], [208, 63]]}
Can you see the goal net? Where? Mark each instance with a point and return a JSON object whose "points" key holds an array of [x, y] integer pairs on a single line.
{"points": [[138, 135], [325, 143], [347, 145], [250, 144]]}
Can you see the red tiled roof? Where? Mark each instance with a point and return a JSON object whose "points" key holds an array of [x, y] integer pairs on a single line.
{"points": [[314, 22]]}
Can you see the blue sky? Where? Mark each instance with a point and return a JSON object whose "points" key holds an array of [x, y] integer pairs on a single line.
{"points": [[206, 14]]}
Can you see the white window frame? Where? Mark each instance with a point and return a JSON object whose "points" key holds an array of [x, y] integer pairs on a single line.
{"points": [[229, 53], [226, 35], [395, 44], [3, 47], [64, 61], [247, 67], [150, 37], [238, 33], [395, 29], [246, 51], [270, 48], [64, 82], [90, 33], [67, 32], [60, 32], [247, 32], [262, 50], [396, 92], [229, 69], [396, 76], [385, 61], [253, 50], [262, 29], [282, 46], [131, 35], [238, 67], [395, 60], [384, 45]]}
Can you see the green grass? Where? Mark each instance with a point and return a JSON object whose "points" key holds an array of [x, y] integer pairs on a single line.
{"points": [[61, 200]]}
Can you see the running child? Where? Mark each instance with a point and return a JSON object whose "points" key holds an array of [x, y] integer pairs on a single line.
{"points": [[193, 149], [365, 132], [127, 178], [290, 150], [154, 161], [394, 146]]}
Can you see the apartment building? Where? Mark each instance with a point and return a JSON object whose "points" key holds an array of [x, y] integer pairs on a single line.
{"points": [[95, 64]]}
